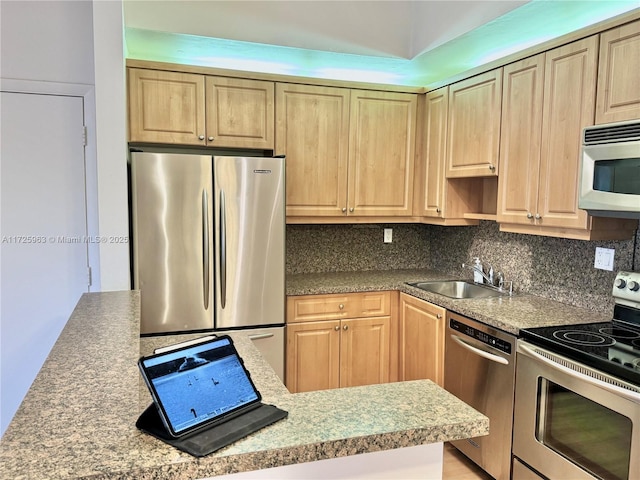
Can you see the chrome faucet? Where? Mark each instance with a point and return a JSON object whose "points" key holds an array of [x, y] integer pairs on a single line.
{"points": [[489, 282]]}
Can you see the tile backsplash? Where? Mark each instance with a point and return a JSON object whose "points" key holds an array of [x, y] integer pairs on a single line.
{"points": [[554, 268]]}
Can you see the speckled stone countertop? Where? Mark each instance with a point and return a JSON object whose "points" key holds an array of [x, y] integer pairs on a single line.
{"points": [[78, 418], [510, 314]]}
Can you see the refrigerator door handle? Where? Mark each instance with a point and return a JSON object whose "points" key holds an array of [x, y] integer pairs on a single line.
{"points": [[205, 249], [223, 251]]}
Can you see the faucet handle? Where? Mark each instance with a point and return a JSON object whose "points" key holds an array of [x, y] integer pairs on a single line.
{"points": [[500, 280]]}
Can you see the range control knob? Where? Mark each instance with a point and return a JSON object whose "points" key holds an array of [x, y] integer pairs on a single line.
{"points": [[620, 283], [634, 286]]}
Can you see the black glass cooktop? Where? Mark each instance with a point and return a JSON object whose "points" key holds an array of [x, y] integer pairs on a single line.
{"points": [[612, 347]]}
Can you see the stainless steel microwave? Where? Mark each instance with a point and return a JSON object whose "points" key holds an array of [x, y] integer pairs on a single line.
{"points": [[610, 170]]}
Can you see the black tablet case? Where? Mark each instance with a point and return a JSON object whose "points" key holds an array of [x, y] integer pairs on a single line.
{"points": [[206, 441]]}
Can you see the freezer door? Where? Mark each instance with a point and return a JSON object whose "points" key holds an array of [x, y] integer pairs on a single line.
{"points": [[172, 215], [250, 228]]}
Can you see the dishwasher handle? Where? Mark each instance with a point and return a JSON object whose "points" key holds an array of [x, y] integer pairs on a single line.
{"points": [[478, 351]]}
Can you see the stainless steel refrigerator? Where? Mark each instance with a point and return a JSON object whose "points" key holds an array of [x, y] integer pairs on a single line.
{"points": [[208, 243]]}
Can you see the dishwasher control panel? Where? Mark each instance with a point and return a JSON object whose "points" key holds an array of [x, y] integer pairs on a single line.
{"points": [[481, 336]]}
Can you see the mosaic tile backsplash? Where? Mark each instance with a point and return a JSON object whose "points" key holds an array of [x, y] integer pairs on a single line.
{"points": [[554, 268]]}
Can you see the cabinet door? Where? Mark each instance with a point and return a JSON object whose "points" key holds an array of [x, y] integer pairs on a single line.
{"points": [[381, 153], [474, 126], [618, 96], [523, 84], [313, 356], [240, 113], [364, 351], [570, 82], [421, 340], [312, 130], [433, 154], [166, 107]]}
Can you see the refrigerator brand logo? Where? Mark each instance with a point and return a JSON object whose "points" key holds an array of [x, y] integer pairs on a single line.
{"points": [[262, 171]]}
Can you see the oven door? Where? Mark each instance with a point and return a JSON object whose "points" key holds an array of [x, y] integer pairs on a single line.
{"points": [[570, 422]]}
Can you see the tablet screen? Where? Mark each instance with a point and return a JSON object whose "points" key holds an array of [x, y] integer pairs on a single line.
{"points": [[198, 384]]}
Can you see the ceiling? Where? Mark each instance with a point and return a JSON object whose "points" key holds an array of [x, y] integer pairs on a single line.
{"points": [[414, 43]]}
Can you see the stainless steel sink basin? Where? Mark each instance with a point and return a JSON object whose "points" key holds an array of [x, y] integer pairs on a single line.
{"points": [[457, 289]]}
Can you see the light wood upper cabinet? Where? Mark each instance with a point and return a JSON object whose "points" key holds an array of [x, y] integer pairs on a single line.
{"points": [[340, 340], [618, 94], [166, 107], [568, 107], [431, 197], [520, 141], [191, 109], [421, 338], [240, 113], [312, 129], [474, 126], [381, 153], [548, 100]]}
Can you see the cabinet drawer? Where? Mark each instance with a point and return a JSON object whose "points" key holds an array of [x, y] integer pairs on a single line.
{"points": [[309, 308]]}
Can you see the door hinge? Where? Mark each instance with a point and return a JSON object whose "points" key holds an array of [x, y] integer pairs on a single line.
{"points": [[84, 136], [89, 278]]}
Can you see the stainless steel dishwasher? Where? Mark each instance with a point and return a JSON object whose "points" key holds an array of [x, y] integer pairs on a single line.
{"points": [[479, 369]]}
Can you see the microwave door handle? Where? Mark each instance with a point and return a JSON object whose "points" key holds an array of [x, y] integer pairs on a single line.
{"points": [[477, 351], [621, 392]]}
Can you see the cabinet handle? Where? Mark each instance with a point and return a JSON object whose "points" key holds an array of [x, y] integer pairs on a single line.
{"points": [[439, 316], [341, 306], [438, 210], [200, 137], [538, 216], [344, 210], [210, 139], [492, 167], [336, 328], [529, 215], [351, 209], [346, 327]]}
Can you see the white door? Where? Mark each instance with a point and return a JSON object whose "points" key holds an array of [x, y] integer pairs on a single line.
{"points": [[43, 256]]}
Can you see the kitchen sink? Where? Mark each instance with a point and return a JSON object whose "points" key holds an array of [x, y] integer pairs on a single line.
{"points": [[457, 289]]}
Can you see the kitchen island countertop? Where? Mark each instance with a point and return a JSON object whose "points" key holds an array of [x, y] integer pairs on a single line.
{"points": [[78, 418], [510, 314]]}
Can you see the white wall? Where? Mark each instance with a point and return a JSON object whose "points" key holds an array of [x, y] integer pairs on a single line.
{"points": [[50, 47], [111, 142], [59, 45]]}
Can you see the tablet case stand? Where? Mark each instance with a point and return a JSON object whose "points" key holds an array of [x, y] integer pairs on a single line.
{"points": [[206, 441]]}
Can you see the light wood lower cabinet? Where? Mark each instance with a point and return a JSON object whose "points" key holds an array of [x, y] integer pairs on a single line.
{"points": [[421, 337], [340, 340]]}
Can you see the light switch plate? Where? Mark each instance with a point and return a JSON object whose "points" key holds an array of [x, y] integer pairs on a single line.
{"points": [[604, 258], [388, 235]]}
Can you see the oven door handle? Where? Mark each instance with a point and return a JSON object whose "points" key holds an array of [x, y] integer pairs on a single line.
{"points": [[477, 351], [621, 392]]}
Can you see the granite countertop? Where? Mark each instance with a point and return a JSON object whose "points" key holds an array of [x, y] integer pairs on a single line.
{"points": [[78, 418], [510, 314]]}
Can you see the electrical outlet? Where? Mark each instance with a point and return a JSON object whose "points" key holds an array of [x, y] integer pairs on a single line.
{"points": [[604, 258], [388, 235]]}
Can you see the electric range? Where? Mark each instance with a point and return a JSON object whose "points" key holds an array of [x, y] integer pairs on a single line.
{"points": [[612, 347]]}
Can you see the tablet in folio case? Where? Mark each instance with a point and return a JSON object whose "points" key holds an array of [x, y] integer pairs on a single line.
{"points": [[203, 397]]}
